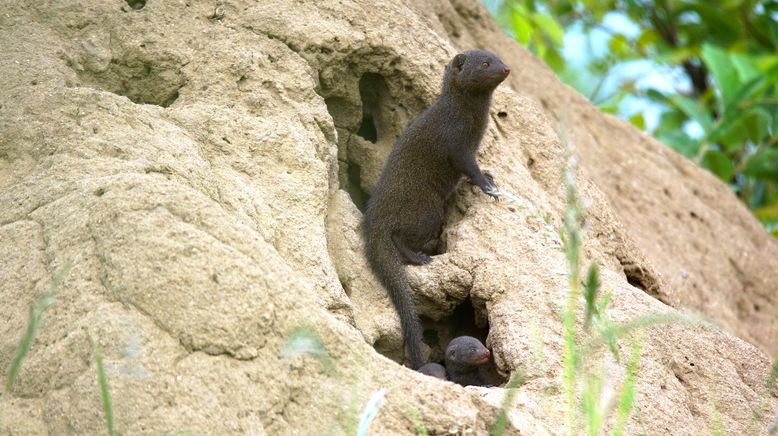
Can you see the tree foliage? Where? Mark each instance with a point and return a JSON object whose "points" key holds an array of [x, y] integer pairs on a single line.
{"points": [[722, 60]]}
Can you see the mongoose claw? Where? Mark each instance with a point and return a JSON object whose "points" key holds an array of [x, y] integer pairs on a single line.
{"points": [[489, 177], [493, 192], [419, 259]]}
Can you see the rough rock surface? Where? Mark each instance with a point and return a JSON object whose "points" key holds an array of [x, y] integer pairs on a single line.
{"points": [[201, 166]]}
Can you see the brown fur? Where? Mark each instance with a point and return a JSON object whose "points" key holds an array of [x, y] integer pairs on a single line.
{"points": [[406, 209]]}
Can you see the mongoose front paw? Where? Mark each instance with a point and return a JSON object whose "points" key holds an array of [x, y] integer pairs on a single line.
{"points": [[490, 188], [419, 259], [489, 177], [492, 191]]}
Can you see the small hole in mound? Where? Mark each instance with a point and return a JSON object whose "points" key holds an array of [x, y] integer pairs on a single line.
{"points": [[372, 91], [367, 129], [640, 278], [502, 114], [170, 99], [100, 192], [139, 78], [635, 278], [136, 4]]}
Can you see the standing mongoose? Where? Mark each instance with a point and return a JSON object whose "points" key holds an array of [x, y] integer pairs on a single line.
{"points": [[465, 355], [406, 209]]}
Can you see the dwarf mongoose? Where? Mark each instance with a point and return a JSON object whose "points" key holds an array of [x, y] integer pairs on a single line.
{"points": [[406, 209]]}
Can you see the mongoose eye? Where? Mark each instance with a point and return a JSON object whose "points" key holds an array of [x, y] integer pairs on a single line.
{"points": [[485, 64]]}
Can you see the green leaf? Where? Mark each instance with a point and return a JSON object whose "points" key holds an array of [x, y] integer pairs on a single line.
{"points": [[746, 66], [769, 212], [677, 55], [756, 123], [521, 24], [555, 60], [540, 45], [721, 27], [619, 45], [719, 164], [679, 141], [763, 165], [550, 27], [724, 73], [647, 39], [692, 109], [737, 128], [672, 119], [638, 121]]}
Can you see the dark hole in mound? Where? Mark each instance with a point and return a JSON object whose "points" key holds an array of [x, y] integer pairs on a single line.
{"points": [[170, 99], [640, 277], [465, 320], [136, 4], [367, 129], [372, 90], [636, 277]]}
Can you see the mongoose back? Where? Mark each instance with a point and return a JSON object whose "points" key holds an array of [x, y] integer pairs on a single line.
{"points": [[433, 370], [406, 209], [465, 355]]}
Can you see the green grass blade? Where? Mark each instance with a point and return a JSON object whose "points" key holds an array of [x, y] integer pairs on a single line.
{"points": [[24, 344], [103, 380], [36, 311], [627, 396], [498, 429], [572, 244], [592, 394], [590, 294]]}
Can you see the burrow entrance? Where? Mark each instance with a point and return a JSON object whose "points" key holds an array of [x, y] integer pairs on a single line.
{"points": [[369, 112], [465, 320], [362, 135]]}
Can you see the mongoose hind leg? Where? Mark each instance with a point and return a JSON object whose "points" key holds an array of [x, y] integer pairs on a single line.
{"points": [[413, 257]]}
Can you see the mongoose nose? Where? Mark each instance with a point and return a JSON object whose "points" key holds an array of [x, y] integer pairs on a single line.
{"points": [[506, 70]]}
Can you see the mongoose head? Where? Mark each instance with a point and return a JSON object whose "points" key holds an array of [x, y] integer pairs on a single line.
{"points": [[475, 71], [466, 352]]}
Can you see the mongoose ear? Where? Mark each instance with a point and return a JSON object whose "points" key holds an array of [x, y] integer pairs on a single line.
{"points": [[459, 61]]}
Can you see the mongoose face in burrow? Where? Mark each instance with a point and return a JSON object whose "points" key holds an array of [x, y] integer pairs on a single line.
{"points": [[465, 355]]}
